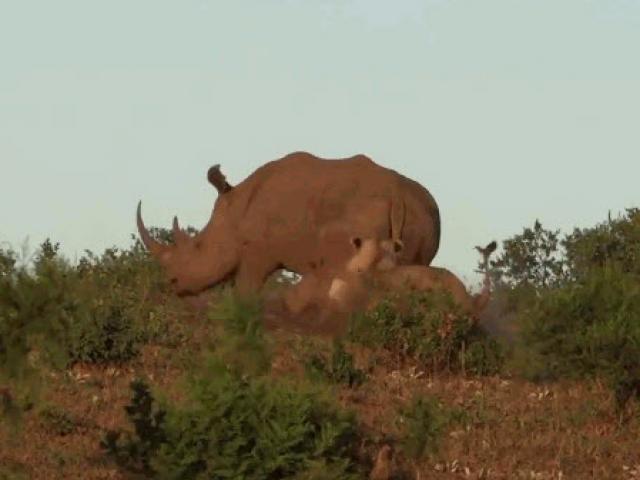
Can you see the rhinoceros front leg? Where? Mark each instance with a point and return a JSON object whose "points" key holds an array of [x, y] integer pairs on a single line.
{"points": [[255, 267]]}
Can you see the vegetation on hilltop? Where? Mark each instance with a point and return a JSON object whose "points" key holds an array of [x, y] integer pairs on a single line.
{"points": [[214, 395]]}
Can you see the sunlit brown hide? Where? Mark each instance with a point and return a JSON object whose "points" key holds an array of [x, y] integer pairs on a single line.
{"points": [[373, 271], [293, 213]]}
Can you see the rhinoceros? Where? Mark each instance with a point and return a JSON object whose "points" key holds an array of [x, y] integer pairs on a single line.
{"points": [[292, 213]]}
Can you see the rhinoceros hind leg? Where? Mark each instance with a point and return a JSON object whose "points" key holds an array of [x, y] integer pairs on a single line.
{"points": [[299, 296]]}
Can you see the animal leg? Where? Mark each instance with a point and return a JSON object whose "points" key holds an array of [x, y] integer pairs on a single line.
{"points": [[301, 295], [253, 271]]}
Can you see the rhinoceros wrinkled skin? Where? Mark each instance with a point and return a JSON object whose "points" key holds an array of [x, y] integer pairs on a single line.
{"points": [[294, 213]]}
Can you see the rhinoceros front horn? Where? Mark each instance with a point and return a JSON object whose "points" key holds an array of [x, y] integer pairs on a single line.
{"points": [[151, 243]]}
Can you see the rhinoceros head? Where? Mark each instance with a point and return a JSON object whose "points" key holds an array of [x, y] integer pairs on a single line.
{"points": [[192, 264]]}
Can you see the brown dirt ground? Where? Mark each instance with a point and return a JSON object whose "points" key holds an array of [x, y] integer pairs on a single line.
{"points": [[519, 430]]}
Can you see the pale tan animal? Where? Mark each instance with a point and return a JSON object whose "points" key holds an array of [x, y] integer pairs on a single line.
{"points": [[373, 269]]}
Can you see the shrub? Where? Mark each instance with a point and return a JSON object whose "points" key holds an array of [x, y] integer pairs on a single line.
{"points": [[235, 421], [532, 258], [614, 241], [7, 262], [587, 328], [35, 307], [422, 423], [340, 369], [241, 342], [54, 314], [430, 328], [237, 427], [57, 421], [98, 311]]}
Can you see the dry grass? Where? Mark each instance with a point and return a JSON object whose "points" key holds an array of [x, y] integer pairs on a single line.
{"points": [[512, 429]]}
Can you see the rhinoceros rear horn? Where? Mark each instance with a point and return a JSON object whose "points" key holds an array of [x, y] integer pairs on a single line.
{"points": [[179, 235], [151, 243]]}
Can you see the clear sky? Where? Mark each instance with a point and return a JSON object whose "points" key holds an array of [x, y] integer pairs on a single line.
{"points": [[506, 110]]}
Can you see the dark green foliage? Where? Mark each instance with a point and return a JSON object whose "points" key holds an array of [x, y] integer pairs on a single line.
{"points": [[100, 310], [236, 422], [532, 258], [57, 421], [148, 422], [340, 369], [241, 343], [10, 411], [237, 427], [539, 258], [13, 472], [482, 355], [614, 241], [120, 311], [422, 424], [430, 328], [53, 313], [579, 308], [7, 262], [35, 306], [586, 329]]}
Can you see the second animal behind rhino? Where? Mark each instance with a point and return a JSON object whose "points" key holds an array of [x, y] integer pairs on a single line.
{"points": [[374, 265]]}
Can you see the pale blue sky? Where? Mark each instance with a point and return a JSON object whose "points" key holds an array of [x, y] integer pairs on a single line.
{"points": [[506, 110]]}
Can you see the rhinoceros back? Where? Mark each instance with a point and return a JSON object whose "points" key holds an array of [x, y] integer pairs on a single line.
{"points": [[299, 194]]}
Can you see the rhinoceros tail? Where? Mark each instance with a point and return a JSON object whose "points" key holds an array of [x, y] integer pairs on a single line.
{"points": [[398, 214]]}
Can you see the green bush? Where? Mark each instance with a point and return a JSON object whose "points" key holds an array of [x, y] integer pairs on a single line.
{"points": [[587, 328], [422, 423], [235, 426], [121, 307], [576, 302], [615, 241], [7, 262], [53, 313], [339, 369], [236, 422], [533, 258], [57, 421], [430, 328], [35, 306], [241, 342]]}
